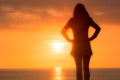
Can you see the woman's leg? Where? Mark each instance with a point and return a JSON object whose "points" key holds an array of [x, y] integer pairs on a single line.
{"points": [[78, 61], [86, 60]]}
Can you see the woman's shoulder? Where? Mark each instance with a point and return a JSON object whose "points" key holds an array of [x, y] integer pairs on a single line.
{"points": [[90, 21], [71, 20]]}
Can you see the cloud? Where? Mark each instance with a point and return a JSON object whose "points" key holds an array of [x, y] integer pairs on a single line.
{"points": [[37, 4], [27, 11], [105, 10], [21, 12]]}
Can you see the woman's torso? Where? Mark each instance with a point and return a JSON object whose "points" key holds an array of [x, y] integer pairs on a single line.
{"points": [[80, 31], [81, 43]]}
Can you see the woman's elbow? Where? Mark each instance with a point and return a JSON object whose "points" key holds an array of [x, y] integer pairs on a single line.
{"points": [[99, 29], [63, 32]]}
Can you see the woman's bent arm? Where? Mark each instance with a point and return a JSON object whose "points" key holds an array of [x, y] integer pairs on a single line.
{"points": [[97, 30], [64, 33]]}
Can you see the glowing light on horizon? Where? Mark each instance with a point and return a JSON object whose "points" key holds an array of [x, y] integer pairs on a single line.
{"points": [[58, 46], [58, 73], [58, 69]]}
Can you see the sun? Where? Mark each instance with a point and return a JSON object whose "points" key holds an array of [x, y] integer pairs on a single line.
{"points": [[58, 46], [58, 69]]}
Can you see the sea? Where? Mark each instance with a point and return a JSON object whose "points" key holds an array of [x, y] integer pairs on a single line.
{"points": [[58, 73]]}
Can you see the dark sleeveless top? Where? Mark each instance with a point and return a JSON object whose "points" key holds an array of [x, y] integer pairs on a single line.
{"points": [[81, 44]]}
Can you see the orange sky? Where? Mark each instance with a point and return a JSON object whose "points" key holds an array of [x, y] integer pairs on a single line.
{"points": [[29, 29]]}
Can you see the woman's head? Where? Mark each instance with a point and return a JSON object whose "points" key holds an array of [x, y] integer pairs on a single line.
{"points": [[80, 11]]}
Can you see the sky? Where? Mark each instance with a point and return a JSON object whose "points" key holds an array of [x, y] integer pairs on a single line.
{"points": [[30, 33]]}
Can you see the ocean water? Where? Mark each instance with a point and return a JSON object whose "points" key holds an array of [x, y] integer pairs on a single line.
{"points": [[58, 74]]}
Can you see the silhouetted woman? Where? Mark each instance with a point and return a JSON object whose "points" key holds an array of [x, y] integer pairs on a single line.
{"points": [[81, 49]]}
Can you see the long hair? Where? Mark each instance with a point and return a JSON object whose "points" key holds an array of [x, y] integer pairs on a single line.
{"points": [[80, 13]]}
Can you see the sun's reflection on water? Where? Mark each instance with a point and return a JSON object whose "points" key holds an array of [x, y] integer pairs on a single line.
{"points": [[58, 73]]}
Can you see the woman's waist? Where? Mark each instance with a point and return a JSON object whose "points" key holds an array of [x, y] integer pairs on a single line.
{"points": [[81, 40]]}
